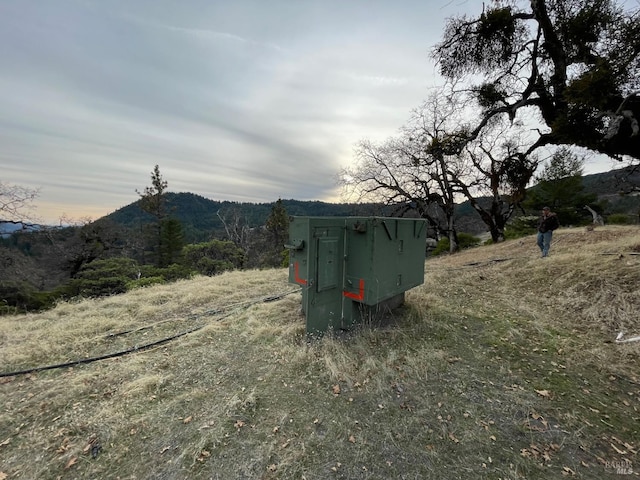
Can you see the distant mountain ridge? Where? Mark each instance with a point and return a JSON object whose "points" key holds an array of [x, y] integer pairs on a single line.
{"points": [[613, 182], [203, 218], [8, 228]]}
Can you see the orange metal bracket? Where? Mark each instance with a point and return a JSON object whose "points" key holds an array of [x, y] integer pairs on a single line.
{"points": [[356, 296], [296, 274]]}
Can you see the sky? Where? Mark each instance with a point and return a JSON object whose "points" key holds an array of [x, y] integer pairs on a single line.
{"points": [[243, 100]]}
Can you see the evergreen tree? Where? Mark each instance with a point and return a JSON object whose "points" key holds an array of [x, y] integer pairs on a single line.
{"points": [[153, 201], [277, 226], [172, 241], [560, 187]]}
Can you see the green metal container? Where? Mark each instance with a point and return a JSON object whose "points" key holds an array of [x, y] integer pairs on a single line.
{"points": [[349, 267]]}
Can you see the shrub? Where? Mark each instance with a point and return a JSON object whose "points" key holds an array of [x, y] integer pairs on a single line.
{"points": [[285, 258], [213, 257], [209, 266], [175, 272], [145, 282], [19, 297], [104, 277], [618, 219]]}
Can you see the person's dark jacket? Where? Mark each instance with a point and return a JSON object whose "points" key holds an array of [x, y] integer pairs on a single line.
{"points": [[548, 223]]}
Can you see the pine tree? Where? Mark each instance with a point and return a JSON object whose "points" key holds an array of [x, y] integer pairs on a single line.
{"points": [[560, 187], [152, 201], [277, 226], [172, 241]]}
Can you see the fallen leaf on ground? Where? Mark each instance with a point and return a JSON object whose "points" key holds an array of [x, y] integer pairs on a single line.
{"points": [[204, 454], [544, 393], [621, 452], [72, 461]]}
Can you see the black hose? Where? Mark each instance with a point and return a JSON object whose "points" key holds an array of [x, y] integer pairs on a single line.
{"points": [[137, 348], [101, 357]]}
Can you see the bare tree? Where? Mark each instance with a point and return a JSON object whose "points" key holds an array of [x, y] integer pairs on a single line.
{"points": [[236, 228], [16, 203], [432, 166], [392, 173], [434, 133], [501, 171], [491, 172], [414, 170]]}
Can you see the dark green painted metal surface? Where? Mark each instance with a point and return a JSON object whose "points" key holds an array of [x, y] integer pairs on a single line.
{"points": [[345, 264]]}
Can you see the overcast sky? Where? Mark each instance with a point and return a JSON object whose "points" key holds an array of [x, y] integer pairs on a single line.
{"points": [[234, 100]]}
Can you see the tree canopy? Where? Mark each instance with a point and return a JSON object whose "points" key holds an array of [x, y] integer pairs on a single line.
{"points": [[575, 65]]}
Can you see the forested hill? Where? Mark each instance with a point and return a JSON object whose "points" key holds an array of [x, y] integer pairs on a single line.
{"points": [[612, 183], [202, 217]]}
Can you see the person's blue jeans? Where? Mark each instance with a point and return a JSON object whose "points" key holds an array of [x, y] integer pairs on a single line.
{"points": [[544, 242]]}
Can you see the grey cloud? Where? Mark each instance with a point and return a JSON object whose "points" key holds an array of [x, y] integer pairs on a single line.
{"points": [[245, 100]]}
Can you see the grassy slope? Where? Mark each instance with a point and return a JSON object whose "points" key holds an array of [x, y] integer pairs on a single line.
{"points": [[502, 365]]}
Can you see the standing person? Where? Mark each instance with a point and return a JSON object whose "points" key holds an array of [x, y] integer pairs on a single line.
{"points": [[548, 223]]}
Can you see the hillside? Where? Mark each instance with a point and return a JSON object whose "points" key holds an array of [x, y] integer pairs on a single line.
{"points": [[202, 217], [612, 182], [502, 365]]}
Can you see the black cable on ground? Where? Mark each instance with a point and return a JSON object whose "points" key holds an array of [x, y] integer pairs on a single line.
{"points": [[101, 357], [141, 347], [495, 260]]}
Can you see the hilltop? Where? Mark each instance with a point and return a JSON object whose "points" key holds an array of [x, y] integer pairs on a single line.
{"points": [[202, 217], [502, 365]]}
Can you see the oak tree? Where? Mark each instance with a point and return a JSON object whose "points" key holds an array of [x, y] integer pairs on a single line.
{"points": [[571, 65]]}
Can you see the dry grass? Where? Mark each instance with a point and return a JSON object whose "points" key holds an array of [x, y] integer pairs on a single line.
{"points": [[502, 365]]}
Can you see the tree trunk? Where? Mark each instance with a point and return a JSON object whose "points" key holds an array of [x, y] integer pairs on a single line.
{"points": [[597, 218], [453, 236], [497, 234]]}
